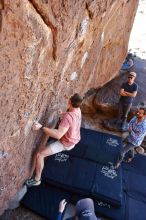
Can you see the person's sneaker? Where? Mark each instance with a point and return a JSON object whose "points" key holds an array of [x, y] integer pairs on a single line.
{"points": [[32, 182], [117, 165]]}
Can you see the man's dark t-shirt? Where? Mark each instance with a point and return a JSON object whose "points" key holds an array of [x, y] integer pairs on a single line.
{"points": [[128, 88]]}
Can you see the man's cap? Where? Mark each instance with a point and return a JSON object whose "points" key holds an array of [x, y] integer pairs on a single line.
{"points": [[132, 74], [85, 209]]}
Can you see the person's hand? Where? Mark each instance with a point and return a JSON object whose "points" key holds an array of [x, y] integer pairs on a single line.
{"points": [[62, 205], [36, 126]]}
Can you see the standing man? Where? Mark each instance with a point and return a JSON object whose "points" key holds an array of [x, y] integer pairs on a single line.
{"points": [[127, 93], [137, 132], [68, 135]]}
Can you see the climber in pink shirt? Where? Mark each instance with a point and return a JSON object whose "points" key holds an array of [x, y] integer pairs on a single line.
{"points": [[68, 135]]}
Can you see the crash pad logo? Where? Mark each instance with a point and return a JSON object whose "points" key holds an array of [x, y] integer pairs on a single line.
{"points": [[108, 172], [87, 213], [61, 157], [103, 204], [112, 142]]}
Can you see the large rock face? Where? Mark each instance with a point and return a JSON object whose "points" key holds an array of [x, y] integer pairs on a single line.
{"points": [[48, 50]]}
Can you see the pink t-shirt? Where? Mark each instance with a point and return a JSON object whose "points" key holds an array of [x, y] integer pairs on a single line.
{"points": [[71, 120]]}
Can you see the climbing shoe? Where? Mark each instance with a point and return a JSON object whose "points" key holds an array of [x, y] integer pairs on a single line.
{"points": [[32, 182]]}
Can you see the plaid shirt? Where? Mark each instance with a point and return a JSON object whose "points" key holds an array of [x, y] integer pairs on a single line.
{"points": [[137, 131]]}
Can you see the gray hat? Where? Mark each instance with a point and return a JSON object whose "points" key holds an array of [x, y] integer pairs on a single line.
{"points": [[132, 74], [85, 209]]}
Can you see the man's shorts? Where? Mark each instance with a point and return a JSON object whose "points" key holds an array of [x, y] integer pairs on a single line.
{"points": [[57, 147]]}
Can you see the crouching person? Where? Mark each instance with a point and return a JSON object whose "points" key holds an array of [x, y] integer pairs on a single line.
{"points": [[137, 132], [84, 210], [67, 134]]}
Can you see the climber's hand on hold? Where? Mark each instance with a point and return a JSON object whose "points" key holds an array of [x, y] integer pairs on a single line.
{"points": [[36, 126]]}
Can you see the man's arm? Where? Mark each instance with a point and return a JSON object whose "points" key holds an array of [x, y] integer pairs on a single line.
{"points": [[130, 125], [130, 94], [55, 133], [59, 216], [62, 205], [141, 131], [122, 92]]}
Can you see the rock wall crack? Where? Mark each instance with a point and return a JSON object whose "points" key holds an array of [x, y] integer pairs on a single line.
{"points": [[47, 21]]}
